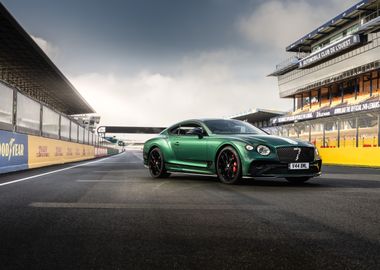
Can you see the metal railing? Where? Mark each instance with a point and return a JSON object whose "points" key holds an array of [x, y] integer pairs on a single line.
{"points": [[370, 17], [23, 114], [290, 62]]}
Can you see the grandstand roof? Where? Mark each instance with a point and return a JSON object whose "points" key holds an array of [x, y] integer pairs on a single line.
{"points": [[303, 44], [24, 65], [257, 115]]}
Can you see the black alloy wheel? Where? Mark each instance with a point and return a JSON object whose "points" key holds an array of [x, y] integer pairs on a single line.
{"points": [[228, 166], [156, 164]]}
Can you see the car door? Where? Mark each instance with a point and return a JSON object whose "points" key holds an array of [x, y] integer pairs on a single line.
{"points": [[174, 141], [191, 148]]}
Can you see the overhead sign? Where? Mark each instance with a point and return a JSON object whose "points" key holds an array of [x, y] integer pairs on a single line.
{"points": [[126, 130], [330, 50], [365, 106], [292, 118]]}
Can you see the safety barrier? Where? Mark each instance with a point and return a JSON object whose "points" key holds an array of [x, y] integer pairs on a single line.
{"points": [[352, 156], [44, 151], [21, 151]]}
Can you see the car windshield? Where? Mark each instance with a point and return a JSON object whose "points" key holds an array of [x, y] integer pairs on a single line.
{"points": [[224, 126]]}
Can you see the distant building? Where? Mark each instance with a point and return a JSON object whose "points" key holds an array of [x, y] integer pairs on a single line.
{"points": [[332, 76]]}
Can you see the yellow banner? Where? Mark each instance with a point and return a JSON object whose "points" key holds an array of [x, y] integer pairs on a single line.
{"points": [[361, 156], [45, 151]]}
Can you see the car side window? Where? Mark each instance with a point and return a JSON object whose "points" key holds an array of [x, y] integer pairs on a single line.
{"points": [[190, 129], [174, 130]]}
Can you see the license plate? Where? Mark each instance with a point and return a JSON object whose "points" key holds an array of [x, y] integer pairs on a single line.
{"points": [[299, 166]]}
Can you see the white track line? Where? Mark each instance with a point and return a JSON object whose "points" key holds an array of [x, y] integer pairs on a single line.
{"points": [[51, 172]]}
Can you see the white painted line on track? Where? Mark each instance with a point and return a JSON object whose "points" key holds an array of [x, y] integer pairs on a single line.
{"points": [[55, 171]]}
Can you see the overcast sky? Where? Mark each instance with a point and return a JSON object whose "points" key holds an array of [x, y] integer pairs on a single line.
{"points": [[155, 62]]}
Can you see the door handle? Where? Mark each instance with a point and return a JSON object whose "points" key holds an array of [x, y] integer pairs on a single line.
{"points": [[176, 143]]}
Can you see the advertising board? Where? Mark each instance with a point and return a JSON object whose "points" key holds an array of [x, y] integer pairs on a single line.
{"points": [[13, 151]]}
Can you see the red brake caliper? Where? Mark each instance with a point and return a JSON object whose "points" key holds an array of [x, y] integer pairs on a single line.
{"points": [[234, 165], [234, 169]]}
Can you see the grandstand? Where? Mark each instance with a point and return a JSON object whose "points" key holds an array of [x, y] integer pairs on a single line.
{"points": [[37, 106], [332, 76]]}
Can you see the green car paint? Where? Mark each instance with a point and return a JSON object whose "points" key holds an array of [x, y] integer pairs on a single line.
{"points": [[198, 153]]}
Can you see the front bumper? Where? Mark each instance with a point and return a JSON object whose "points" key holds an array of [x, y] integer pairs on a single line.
{"points": [[262, 168]]}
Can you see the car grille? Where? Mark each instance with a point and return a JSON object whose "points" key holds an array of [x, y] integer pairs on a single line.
{"points": [[295, 154]]}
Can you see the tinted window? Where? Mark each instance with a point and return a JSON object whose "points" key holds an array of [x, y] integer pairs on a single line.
{"points": [[174, 130], [190, 129], [224, 126]]}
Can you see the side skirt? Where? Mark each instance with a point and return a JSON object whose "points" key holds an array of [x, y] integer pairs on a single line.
{"points": [[188, 169]]}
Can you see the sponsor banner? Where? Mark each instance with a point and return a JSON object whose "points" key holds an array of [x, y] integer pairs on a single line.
{"points": [[13, 151], [45, 151], [292, 118], [100, 151], [329, 51], [328, 112], [352, 156]]}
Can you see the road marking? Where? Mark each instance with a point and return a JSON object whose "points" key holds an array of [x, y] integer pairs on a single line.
{"points": [[51, 172], [160, 185], [150, 206]]}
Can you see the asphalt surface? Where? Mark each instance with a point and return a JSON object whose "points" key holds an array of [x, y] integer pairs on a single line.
{"points": [[110, 214]]}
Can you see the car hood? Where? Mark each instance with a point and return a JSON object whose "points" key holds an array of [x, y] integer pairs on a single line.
{"points": [[270, 140]]}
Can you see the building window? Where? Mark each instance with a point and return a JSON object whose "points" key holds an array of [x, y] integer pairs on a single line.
{"points": [[331, 134], [28, 113], [65, 127], [306, 99], [304, 130], [325, 96], [314, 98], [316, 134], [299, 104], [74, 132], [50, 121], [368, 130], [348, 132], [6, 104]]}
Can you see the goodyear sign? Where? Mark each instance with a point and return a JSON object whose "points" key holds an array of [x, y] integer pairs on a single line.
{"points": [[13, 151]]}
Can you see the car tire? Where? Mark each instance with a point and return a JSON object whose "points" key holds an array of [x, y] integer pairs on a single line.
{"points": [[297, 180], [156, 164], [228, 166]]}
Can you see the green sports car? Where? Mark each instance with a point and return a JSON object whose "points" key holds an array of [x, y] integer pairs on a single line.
{"points": [[230, 149]]}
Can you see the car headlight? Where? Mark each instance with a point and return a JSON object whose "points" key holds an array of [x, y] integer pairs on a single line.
{"points": [[316, 152], [263, 150], [249, 147]]}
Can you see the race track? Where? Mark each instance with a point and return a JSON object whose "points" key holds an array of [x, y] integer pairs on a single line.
{"points": [[110, 214]]}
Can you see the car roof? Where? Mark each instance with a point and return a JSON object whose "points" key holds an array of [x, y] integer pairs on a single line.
{"points": [[205, 119]]}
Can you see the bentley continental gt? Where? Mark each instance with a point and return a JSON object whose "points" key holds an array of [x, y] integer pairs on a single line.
{"points": [[230, 149]]}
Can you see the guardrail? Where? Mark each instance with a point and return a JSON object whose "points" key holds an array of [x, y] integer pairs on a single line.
{"points": [[23, 114]]}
